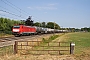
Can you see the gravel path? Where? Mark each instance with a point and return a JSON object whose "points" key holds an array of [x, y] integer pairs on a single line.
{"points": [[11, 40]]}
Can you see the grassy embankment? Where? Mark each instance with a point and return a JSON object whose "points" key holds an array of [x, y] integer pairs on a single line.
{"points": [[5, 35], [82, 41], [82, 44], [7, 50], [51, 43]]}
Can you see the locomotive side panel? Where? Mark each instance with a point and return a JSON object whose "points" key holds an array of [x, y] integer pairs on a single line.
{"points": [[23, 30], [28, 30]]}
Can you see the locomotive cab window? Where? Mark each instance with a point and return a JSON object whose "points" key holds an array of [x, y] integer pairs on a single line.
{"points": [[16, 26]]}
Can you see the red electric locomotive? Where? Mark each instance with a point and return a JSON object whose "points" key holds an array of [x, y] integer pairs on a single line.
{"points": [[19, 30]]}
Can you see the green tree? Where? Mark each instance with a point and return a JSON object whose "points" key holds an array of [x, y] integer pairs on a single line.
{"points": [[57, 26], [86, 29], [37, 24], [2, 24], [52, 25], [43, 24], [6, 24]]}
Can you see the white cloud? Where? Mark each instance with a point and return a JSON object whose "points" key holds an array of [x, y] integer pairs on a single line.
{"points": [[46, 7], [43, 8]]}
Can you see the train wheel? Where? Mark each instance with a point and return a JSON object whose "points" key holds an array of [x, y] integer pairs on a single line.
{"points": [[17, 35]]}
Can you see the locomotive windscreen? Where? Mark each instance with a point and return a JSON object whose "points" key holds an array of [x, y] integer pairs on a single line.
{"points": [[16, 26]]}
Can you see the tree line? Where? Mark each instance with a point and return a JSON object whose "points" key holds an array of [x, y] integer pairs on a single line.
{"points": [[7, 24], [85, 29], [51, 25]]}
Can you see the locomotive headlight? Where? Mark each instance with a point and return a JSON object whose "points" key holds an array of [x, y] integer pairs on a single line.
{"points": [[15, 30]]}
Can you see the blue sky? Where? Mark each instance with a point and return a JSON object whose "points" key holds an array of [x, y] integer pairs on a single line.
{"points": [[66, 13]]}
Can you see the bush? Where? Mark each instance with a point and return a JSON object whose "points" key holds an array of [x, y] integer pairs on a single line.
{"points": [[50, 38]]}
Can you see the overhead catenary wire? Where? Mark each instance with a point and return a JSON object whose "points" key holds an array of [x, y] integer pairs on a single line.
{"points": [[8, 16], [11, 13], [18, 9], [9, 5], [7, 9], [15, 7], [21, 9]]}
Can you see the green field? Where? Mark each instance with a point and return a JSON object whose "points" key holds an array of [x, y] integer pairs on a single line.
{"points": [[81, 40]]}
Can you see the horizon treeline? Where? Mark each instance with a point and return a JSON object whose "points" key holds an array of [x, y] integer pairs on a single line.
{"points": [[7, 24]]}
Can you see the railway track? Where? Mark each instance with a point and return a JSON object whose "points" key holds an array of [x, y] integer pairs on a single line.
{"points": [[11, 40]]}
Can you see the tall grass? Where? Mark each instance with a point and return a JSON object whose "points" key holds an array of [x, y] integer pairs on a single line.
{"points": [[6, 50], [50, 38]]}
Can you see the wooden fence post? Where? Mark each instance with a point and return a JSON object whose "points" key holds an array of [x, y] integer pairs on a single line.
{"points": [[59, 44], [72, 48], [15, 47]]}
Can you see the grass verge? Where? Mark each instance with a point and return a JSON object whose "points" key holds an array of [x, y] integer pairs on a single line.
{"points": [[6, 50], [50, 38], [82, 44]]}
